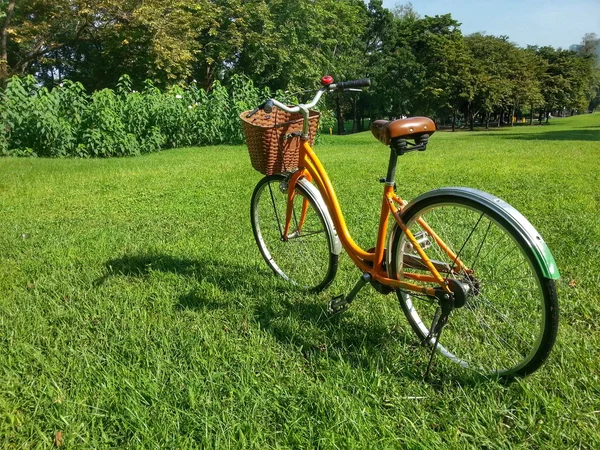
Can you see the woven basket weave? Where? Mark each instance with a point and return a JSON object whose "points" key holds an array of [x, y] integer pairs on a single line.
{"points": [[271, 148]]}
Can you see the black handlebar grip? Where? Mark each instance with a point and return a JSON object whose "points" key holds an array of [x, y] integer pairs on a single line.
{"points": [[353, 84], [268, 106]]}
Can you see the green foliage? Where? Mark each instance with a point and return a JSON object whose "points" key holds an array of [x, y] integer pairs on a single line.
{"points": [[95, 41], [419, 66], [33, 120], [65, 121], [104, 132]]}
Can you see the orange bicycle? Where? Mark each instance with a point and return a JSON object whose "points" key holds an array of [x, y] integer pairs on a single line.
{"points": [[452, 253]]}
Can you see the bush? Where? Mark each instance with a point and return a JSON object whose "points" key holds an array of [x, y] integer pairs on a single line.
{"points": [[66, 121]]}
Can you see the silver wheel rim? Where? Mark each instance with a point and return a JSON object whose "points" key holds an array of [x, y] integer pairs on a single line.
{"points": [[321, 260]]}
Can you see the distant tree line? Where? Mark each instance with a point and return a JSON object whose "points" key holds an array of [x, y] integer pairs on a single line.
{"points": [[419, 65]]}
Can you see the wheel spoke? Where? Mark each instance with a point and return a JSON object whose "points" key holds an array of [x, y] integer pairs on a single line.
{"points": [[474, 263], [483, 324], [466, 241], [298, 235], [275, 210]]}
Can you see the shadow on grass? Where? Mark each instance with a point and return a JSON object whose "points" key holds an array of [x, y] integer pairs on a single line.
{"points": [[295, 319], [226, 277], [564, 135], [370, 347], [308, 326]]}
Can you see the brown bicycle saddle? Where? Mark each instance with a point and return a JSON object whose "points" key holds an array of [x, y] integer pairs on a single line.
{"points": [[411, 128]]}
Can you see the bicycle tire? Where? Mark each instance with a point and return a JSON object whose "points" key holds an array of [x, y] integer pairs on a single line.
{"points": [[308, 259], [509, 322]]}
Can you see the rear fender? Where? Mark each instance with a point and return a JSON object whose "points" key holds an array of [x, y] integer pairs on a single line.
{"points": [[524, 228]]}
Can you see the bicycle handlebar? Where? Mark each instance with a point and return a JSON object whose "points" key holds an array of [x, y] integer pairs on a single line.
{"points": [[341, 86]]}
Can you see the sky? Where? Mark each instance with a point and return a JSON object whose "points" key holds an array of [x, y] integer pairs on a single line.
{"points": [[525, 22]]}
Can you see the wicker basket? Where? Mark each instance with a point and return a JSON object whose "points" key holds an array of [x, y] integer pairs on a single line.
{"points": [[271, 148]]}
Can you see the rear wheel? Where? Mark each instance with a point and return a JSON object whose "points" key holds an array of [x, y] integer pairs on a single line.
{"points": [[508, 323], [306, 257]]}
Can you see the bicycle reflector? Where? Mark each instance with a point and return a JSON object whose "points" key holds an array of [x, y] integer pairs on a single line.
{"points": [[326, 80]]}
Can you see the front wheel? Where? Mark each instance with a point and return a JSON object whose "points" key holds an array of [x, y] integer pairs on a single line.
{"points": [[509, 320], [307, 256]]}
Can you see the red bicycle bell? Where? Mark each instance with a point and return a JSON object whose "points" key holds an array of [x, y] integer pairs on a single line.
{"points": [[326, 80]]}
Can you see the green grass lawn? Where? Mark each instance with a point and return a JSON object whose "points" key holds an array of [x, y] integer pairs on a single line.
{"points": [[136, 310]]}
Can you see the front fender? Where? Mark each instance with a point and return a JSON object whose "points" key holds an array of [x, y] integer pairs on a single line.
{"points": [[524, 228], [336, 245]]}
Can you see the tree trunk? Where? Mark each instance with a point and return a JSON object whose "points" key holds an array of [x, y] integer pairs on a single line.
{"points": [[512, 117], [453, 119], [4, 42], [359, 117], [208, 78], [470, 117], [340, 116], [355, 116], [531, 115]]}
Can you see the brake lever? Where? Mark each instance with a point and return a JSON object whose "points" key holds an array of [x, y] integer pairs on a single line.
{"points": [[266, 106], [251, 113]]}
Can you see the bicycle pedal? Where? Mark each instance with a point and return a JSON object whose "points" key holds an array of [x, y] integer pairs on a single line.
{"points": [[337, 305]]}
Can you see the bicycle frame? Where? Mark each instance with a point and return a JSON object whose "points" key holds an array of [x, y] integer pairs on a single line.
{"points": [[369, 262], [510, 266]]}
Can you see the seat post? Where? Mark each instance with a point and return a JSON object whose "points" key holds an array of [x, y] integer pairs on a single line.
{"points": [[391, 173]]}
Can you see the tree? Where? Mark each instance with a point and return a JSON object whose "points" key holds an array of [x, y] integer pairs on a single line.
{"points": [[171, 29], [567, 81], [303, 40], [590, 45], [7, 15], [590, 48], [100, 39], [237, 26], [493, 79], [379, 45], [420, 64], [34, 29], [524, 88]]}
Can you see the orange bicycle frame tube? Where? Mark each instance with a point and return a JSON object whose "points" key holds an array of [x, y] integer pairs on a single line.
{"points": [[370, 262]]}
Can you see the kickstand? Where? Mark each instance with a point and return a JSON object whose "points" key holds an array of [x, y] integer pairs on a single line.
{"points": [[440, 319], [432, 354]]}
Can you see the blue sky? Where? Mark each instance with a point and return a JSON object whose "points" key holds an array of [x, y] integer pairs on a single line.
{"points": [[545, 22]]}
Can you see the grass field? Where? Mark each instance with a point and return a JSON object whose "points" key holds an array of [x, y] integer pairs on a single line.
{"points": [[136, 311]]}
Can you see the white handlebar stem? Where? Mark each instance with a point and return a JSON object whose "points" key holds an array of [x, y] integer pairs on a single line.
{"points": [[295, 109], [303, 108]]}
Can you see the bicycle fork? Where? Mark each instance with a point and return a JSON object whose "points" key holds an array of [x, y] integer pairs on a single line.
{"points": [[291, 193]]}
